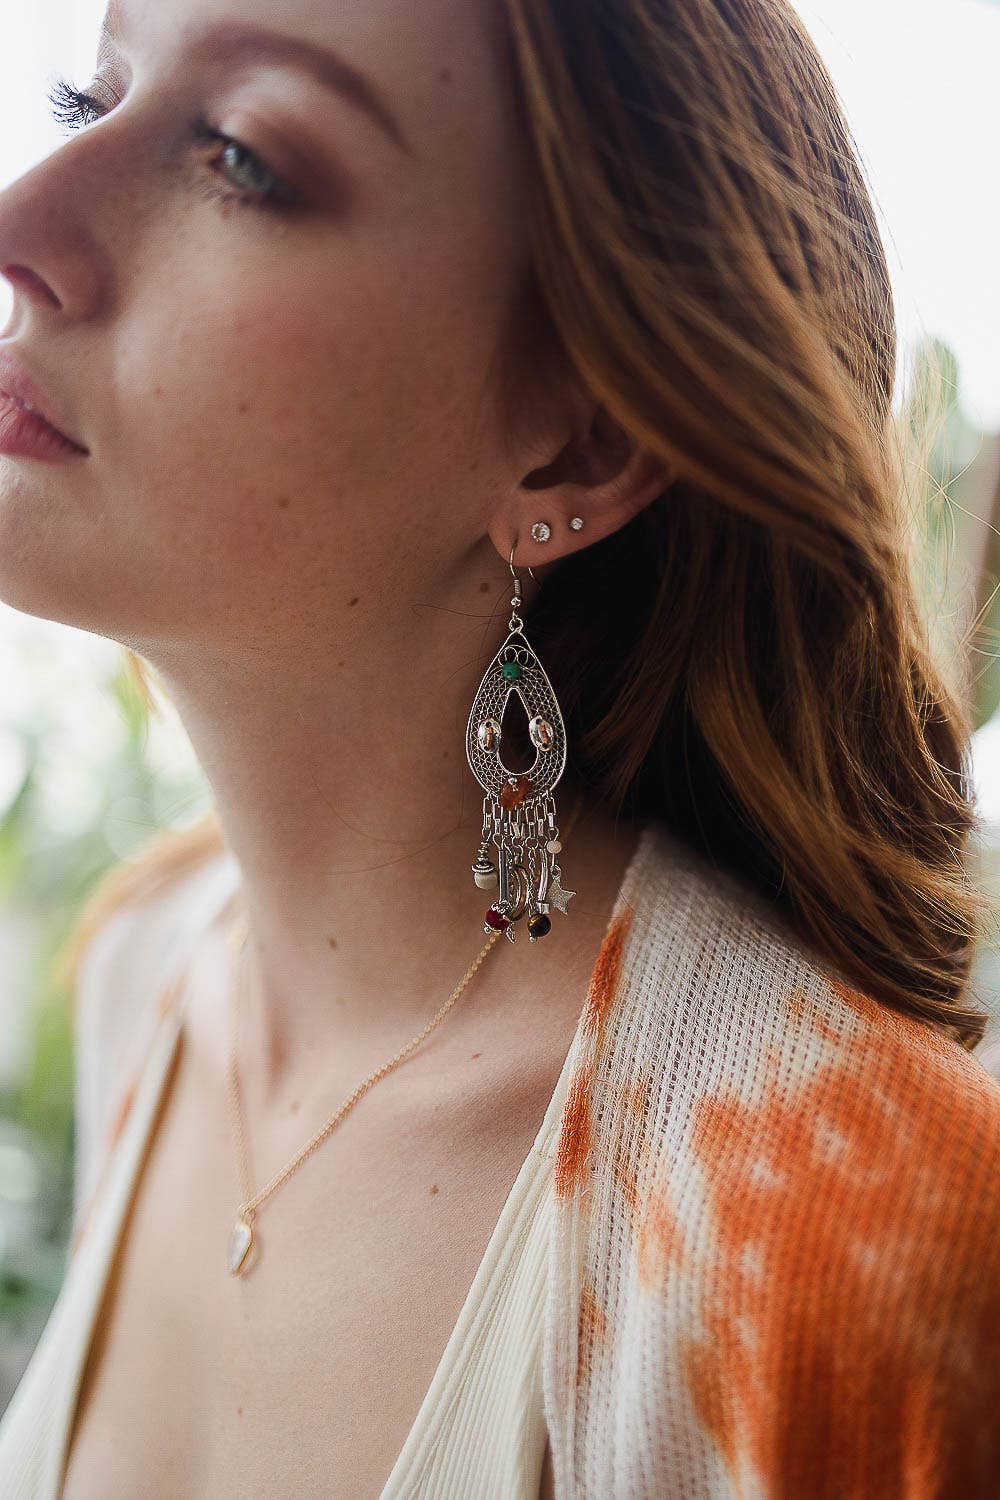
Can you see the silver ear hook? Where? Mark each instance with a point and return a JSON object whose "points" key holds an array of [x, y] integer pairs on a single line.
{"points": [[510, 562], [515, 603]]}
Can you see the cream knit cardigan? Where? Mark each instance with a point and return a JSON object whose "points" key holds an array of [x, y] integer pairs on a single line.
{"points": [[775, 1260]]}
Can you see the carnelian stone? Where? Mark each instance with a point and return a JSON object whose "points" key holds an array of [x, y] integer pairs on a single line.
{"points": [[513, 796]]}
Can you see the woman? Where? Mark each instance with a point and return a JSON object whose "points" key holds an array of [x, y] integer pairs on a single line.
{"points": [[694, 1193]]}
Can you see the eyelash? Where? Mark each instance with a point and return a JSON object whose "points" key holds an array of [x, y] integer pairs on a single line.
{"points": [[75, 108]]}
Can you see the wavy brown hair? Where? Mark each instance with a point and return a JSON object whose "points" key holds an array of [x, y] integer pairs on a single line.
{"points": [[746, 659]]}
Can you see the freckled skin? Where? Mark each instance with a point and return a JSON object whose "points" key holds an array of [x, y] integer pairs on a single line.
{"points": [[338, 355]]}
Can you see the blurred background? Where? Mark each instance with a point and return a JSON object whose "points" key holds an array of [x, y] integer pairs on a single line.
{"points": [[87, 773]]}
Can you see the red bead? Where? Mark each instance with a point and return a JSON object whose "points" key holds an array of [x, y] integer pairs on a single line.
{"points": [[496, 919]]}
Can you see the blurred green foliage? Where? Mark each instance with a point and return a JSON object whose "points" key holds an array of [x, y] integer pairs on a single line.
{"points": [[953, 483], [45, 875], [51, 877]]}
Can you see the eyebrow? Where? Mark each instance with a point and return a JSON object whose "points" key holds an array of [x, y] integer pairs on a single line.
{"points": [[243, 43]]}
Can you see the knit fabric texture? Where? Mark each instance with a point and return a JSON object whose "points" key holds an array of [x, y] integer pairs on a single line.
{"points": [[775, 1268]]}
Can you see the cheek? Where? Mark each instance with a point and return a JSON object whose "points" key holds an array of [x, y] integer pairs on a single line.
{"points": [[266, 434], [259, 448], [312, 379]]}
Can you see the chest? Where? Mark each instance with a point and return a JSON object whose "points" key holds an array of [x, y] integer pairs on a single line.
{"points": [[305, 1376]]}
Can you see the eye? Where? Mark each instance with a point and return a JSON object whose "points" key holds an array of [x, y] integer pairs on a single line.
{"points": [[260, 184], [74, 108]]}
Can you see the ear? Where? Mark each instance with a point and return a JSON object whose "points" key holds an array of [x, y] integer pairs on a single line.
{"points": [[600, 473]]}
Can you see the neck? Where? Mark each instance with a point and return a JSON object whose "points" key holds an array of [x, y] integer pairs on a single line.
{"points": [[342, 788]]}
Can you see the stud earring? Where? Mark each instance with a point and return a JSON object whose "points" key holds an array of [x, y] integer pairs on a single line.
{"points": [[541, 531], [519, 811], [576, 524]]}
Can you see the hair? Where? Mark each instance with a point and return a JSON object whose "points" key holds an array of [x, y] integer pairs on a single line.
{"points": [[758, 674]]}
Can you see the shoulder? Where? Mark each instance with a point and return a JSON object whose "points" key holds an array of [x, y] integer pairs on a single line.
{"points": [[138, 947], [768, 1069], [707, 963], [818, 1176]]}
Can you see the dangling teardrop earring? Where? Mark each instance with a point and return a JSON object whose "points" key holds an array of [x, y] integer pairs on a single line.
{"points": [[519, 811]]}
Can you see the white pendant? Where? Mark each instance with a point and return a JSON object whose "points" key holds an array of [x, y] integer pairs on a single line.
{"points": [[240, 1240]]}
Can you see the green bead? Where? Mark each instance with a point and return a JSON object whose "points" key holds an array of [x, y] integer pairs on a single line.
{"points": [[511, 670]]}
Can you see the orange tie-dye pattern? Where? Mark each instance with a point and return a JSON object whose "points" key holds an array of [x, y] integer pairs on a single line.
{"points": [[818, 1194], [575, 1137], [602, 990], [591, 1329], [575, 1142], [575, 1134]]}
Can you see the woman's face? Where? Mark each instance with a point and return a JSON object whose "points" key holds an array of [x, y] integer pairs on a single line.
{"points": [[301, 387]]}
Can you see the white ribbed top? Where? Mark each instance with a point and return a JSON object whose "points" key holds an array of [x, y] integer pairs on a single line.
{"points": [[480, 1432]]}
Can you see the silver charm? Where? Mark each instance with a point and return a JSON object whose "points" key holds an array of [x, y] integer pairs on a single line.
{"points": [[559, 897], [519, 812], [484, 870]]}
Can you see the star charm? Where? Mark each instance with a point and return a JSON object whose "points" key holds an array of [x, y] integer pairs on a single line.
{"points": [[556, 896]]}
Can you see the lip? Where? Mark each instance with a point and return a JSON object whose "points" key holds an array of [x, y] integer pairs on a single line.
{"points": [[27, 421]]}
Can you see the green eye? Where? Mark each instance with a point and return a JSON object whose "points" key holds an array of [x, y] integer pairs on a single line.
{"points": [[255, 183]]}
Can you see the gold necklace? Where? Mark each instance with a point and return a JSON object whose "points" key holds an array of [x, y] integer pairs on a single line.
{"points": [[241, 1236]]}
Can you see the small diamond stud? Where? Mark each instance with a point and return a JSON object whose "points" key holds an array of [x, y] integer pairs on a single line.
{"points": [[576, 524], [541, 531]]}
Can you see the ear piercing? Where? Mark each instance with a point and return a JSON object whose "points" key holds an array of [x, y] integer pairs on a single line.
{"points": [[541, 531]]}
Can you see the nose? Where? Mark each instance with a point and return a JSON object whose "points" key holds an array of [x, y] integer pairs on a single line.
{"points": [[28, 281], [50, 232]]}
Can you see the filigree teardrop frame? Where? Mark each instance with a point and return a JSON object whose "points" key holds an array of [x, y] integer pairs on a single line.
{"points": [[519, 811], [534, 689]]}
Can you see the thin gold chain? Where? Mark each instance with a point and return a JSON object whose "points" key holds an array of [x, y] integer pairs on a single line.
{"points": [[236, 940]]}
